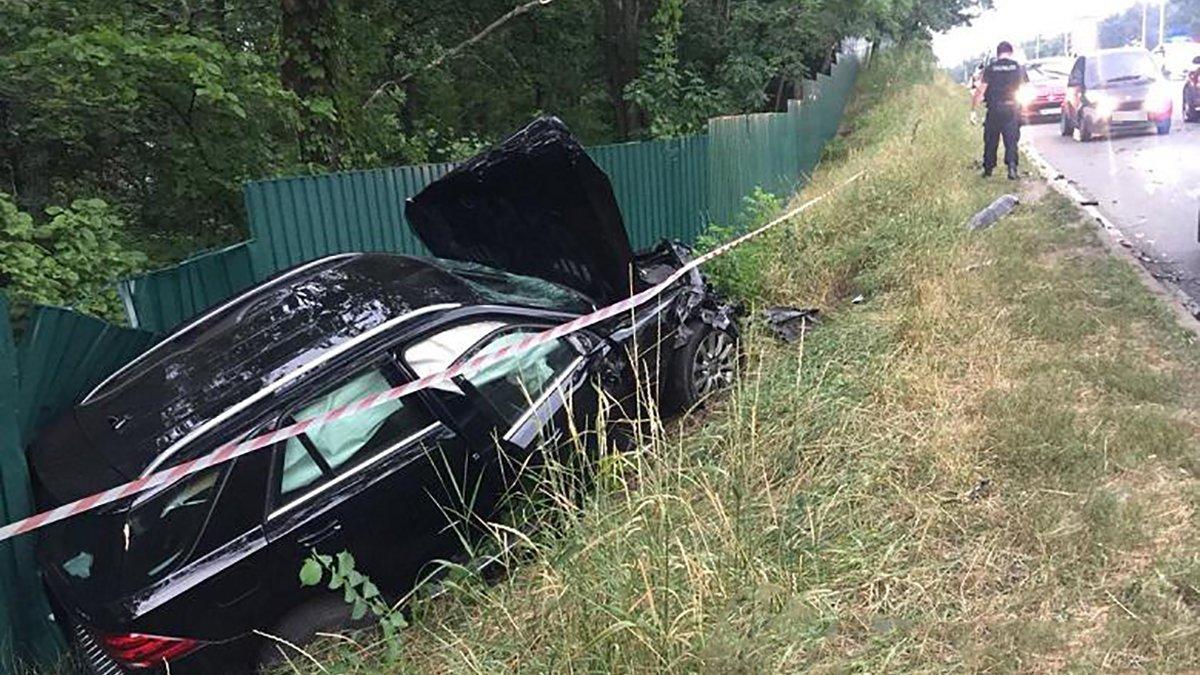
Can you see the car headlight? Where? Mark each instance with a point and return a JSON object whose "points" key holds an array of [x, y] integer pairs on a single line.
{"points": [[1026, 94], [1104, 104]]}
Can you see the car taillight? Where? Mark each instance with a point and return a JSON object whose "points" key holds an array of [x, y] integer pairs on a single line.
{"points": [[137, 650]]}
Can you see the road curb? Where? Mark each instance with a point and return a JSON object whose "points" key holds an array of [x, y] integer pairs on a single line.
{"points": [[1184, 307]]}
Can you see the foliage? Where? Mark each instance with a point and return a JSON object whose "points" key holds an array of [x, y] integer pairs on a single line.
{"points": [[72, 258], [163, 109], [1125, 28], [740, 276], [676, 100], [357, 590]]}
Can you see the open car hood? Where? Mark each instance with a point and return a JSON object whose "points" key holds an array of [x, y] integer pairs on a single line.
{"points": [[535, 205]]}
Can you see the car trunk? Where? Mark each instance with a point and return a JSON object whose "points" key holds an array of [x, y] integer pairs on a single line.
{"points": [[535, 205]]}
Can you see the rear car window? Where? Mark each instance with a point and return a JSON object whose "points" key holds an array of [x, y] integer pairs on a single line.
{"points": [[324, 451], [161, 532]]}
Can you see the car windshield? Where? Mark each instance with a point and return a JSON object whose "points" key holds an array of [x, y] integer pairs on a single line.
{"points": [[1120, 67]]}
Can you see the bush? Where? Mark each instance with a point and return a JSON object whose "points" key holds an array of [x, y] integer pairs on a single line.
{"points": [[739, 274], [72, 260]]}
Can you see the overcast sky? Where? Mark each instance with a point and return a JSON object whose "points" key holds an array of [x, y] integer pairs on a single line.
{"points": [[1020, 20]]}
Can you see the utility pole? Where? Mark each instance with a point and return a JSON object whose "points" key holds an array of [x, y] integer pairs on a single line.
{"points": [[1145, 12], [1162, 22]]}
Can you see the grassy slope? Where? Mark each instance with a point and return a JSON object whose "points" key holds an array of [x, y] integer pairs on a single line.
{"points": [[820, 518]]}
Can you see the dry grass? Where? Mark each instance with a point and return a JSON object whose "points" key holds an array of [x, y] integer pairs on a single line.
{"points": [[831, 515]]}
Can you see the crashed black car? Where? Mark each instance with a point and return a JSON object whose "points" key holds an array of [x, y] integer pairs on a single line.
{"points": [[527, 236]]}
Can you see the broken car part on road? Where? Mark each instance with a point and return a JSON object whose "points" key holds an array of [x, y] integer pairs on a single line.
{"points": [[790, 323], [993, 213]]}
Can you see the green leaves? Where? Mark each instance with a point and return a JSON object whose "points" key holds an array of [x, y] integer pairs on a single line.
{"points": [[310, 572], [358, 591], [72, 259]]}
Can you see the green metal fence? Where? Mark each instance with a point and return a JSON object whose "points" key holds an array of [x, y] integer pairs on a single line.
{"points": [[62, 354], [661, 186], [165, 298], [665, 188]]}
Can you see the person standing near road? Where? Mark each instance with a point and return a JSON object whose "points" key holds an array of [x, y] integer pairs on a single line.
{"points": [[998, 89]]}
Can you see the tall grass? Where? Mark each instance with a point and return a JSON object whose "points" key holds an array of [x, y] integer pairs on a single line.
{"points": [[987, 465]]}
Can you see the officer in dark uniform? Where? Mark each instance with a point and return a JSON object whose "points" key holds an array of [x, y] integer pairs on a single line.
{"points": [[1000, 82]]}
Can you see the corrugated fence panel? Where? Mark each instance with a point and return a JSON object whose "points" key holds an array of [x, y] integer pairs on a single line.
{"points": [[25, 629], [294, 220], [163, 299], [660, 187], [62, 355], [775, 151]]}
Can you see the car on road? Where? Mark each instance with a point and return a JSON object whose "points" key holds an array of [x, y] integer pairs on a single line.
{"points": [[1116, 90], [1042, 97], [526, 236], [1175, 58], [1191, 93]]}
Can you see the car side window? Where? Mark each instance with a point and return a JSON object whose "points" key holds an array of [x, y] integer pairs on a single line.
{"points": [[334, 447], [512, 386]]}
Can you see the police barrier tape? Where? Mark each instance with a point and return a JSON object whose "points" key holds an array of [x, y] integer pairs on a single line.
{"points": [[237, 449]]}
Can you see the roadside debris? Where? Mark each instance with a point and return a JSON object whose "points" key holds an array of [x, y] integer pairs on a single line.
{"points": [[789, 323], [858, 300], [994, 212], [981, 490]]}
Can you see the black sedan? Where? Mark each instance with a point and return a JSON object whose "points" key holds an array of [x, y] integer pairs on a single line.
{"points": [[526, 236]]}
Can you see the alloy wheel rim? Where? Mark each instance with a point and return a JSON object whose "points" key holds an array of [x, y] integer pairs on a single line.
{"points": [[713, 364]]}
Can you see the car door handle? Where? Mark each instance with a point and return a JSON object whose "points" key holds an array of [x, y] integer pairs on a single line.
{"points": [[325, 532]]}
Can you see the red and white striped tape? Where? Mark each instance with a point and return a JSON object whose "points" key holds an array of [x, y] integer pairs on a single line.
{"points": [[237, 449]]}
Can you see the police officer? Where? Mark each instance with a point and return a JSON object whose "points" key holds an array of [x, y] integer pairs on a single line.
{"points": [[1001, 80]]}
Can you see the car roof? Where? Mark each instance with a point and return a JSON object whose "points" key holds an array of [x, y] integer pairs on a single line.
{"points": [[271, 332]]}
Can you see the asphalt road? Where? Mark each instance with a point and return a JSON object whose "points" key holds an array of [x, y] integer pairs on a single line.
{"points": [[1148, 185]]}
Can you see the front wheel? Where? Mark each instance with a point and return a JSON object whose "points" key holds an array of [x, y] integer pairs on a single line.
{"points": [[705, 364], [1085, 129], [1190, 114], [1164, 127]]}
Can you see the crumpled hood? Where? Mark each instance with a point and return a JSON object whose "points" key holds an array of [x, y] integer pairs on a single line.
{"points": [[535, 205]]}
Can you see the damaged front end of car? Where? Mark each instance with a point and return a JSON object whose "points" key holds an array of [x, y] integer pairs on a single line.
{"points": [[538, 205]]}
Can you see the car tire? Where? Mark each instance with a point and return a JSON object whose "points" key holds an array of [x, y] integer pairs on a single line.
{"points": [[1085, 130], [300, 626], [1190, 114], [706, 363], [1065, 127], [1163, 128]]}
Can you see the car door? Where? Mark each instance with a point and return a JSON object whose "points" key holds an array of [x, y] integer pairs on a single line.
{"points": [[359, 484]]}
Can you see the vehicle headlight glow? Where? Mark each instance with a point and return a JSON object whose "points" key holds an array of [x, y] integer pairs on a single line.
{"points": [[1026, 94], [1161, 97], [1104, 104]]}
